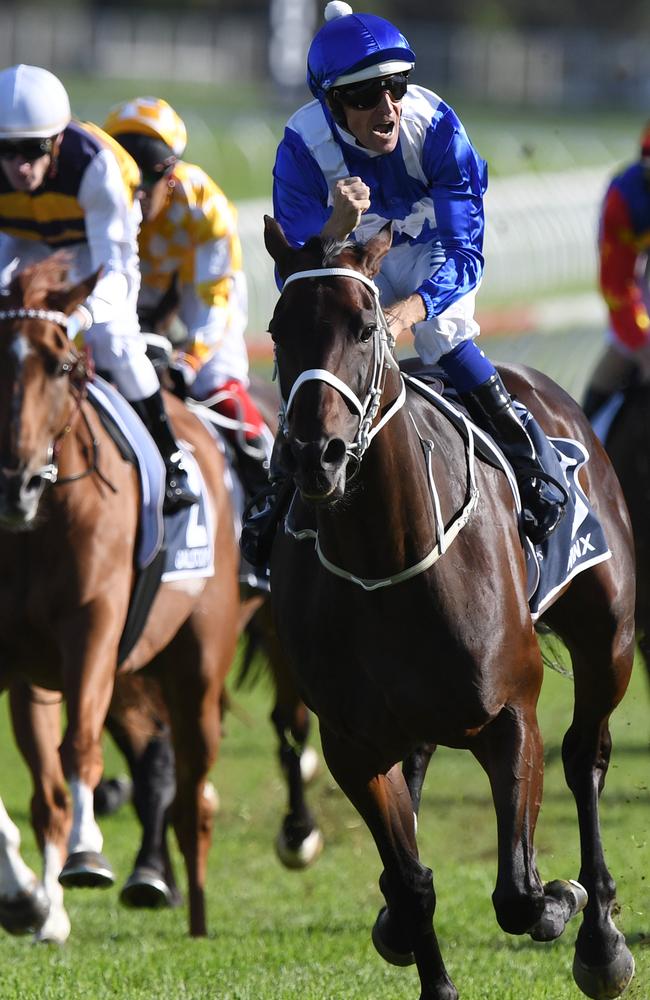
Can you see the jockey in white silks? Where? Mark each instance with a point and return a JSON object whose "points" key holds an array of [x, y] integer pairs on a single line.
{"points": [[68, 186]]}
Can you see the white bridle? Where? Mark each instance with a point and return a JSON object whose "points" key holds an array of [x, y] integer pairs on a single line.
{"points": [[49, 314], [367, 410], [383, 343]]}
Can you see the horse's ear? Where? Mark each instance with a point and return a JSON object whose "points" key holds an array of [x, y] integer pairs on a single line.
{"points": [[67, 300], [376, 249], [277, 245]]}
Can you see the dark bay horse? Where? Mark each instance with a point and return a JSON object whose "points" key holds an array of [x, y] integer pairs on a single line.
{"points": [[408, 626], [69, 522], [628, 446]]}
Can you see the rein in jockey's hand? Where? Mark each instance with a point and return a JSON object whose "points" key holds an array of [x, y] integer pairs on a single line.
{"points": [[403, 314], [351, 200]]}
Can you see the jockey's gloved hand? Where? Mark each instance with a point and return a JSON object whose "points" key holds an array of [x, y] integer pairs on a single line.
{"points": [[79, 321]]}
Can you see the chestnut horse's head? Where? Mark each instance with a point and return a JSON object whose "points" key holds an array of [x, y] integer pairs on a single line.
{"points": [[36, 399], [332, 349]]}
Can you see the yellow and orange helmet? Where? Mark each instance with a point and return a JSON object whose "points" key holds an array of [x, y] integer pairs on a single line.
{"points": [[151, 116]]}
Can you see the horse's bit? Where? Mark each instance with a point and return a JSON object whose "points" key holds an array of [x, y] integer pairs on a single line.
{"points": [[383, 343]]}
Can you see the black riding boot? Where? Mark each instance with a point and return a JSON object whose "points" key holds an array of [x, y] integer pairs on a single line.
{"points": [[265, 512], [177, 489], [491, 407]]}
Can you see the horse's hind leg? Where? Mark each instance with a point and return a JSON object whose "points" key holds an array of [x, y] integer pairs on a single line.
{"points": [[195, 714], [403, 933], [137, 725], [36, 719], [602, 657], [414, 769], [510, 751]]}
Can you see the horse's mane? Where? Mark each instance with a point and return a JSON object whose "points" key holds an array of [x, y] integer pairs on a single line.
{"points": [[329, 250], [36, 282]]}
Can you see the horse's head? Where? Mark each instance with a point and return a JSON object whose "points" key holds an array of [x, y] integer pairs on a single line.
{"points": [[36, 401], [332, 354]]}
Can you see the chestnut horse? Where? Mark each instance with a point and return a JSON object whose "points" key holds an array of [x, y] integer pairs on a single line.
{"points": [[404, 635], [69, 522]]}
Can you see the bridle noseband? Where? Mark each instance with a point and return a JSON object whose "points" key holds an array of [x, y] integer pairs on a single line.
{"points": [[383, 360]]}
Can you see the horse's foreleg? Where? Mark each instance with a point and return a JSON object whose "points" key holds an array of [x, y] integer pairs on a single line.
{"points": [[36, 719], [90, 642], [510, 751], [403, 932]]}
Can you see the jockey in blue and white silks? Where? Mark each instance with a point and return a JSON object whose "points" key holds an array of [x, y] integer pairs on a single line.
{"points": [[430, 187], [373, 149]]}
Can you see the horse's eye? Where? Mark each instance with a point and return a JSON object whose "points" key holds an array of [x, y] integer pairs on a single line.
{"points": [[368, 332]]}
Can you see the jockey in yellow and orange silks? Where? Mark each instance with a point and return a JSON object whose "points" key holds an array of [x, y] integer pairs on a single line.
{"points": [[189, 236]]}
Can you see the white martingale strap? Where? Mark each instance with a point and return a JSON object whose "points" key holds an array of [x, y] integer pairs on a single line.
{"points": [[48, 314]]}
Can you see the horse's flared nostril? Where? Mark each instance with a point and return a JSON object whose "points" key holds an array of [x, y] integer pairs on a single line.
{"points": [[334, 452]]}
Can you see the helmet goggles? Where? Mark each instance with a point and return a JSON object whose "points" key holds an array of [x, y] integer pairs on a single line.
{"points": [[368, 93], [27, 149]]}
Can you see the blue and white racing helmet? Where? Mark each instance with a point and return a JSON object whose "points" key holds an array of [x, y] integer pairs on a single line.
{"points": [[353, 47]]}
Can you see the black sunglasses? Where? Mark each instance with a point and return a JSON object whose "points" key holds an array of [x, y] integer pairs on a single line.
{"points": [[149, 176], [27, 149], [368, 93]]}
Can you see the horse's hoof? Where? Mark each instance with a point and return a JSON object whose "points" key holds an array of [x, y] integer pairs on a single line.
{"points": [[562, 901], [25, 913], [86, 870], [380, 932], [604, 982], [308, 851], [56, 929], [146, 889], [309, 765]]}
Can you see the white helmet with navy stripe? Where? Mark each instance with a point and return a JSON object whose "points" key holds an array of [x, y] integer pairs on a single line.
{"points": [[34, 104], [353, 47]]}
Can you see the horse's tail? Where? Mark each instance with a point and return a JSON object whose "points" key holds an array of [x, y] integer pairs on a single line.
{"points": [[553, 650]]}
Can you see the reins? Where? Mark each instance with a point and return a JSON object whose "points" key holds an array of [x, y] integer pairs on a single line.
{"points": [[367, 409]]}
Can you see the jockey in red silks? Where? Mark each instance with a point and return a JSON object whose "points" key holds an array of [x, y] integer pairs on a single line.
{"points": [[189, 241], [624, 245]]}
